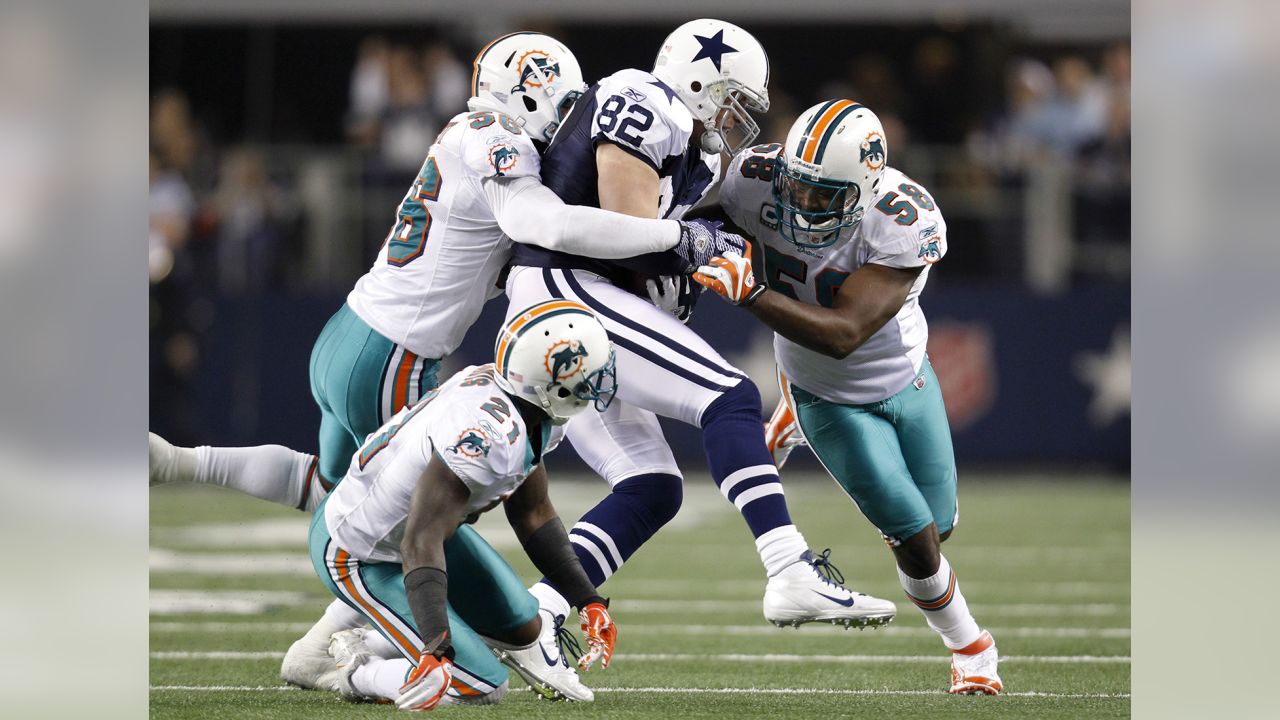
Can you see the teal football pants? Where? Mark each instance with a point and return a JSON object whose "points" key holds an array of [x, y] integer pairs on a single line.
{"points": [[893, 457], [485, 597], [360, 379]]}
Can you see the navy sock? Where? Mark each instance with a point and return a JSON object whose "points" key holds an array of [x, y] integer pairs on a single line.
{"points": [[743, 469], [620, 523]]}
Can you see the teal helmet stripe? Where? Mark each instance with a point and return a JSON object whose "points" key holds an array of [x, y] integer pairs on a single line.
{"points": [[511, 344], [813, 121], [475, 76], [831, 131]]}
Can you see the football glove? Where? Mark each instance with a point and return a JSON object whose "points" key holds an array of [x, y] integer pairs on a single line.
{"points": [[601, 635], [782, 434], [676, 294], [427, 684], [701, 240], [731, 278]]}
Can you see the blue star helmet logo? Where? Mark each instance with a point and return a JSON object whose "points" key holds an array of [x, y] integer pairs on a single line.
{"points": [[568, 359], [713, 48]]}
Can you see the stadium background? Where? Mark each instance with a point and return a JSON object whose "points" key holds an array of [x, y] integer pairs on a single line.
{"points": [[283, 136]]}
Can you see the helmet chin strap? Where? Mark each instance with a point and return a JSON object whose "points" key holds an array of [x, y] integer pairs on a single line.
{"points": [[712, 141]]}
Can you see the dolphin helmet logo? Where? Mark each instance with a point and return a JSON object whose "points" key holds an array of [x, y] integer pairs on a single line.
{"points": [[539, 60], [471, 444], [930, 251], [565, 359], [873, 151]]}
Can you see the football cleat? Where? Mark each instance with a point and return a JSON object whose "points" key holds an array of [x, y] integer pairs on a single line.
{"points": [[309, 665], [165, 463], [347, 651], [543, 664], [973, 668], [811, 591]]}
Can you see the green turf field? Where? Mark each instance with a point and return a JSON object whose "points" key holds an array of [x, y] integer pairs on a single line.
{"points": [[1043, 563]]}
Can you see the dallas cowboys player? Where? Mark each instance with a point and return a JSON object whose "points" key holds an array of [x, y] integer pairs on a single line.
{"points": [[848, 243], [649, 144], [381, 540], [477, 190]]}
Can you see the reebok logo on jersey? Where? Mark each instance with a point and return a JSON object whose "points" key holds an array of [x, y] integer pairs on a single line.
{"points": [[930, 250], [633, 93]]}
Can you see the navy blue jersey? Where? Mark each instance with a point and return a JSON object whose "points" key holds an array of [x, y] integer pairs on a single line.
{"points": [[640, 114]]}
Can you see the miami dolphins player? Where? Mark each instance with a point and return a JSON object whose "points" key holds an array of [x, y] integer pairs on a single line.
{"points": [[389, 540], [648, 144], [848, 243], [477, 190]]}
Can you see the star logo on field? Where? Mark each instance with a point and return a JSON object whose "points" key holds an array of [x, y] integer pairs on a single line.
{"points": [[713, 48], [1109, 374]]}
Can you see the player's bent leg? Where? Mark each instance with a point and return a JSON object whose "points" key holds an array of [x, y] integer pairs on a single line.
{"points": [[926, 576], [376, 591], [673, 372], [359, 379], [489, 597]]}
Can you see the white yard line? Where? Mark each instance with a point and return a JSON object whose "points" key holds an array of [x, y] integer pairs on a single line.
{"points": [[247, 602], [637, 629], [724, 657], [700, 691]]}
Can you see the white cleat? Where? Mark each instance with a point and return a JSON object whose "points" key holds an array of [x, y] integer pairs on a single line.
{"points": [[973, 668], [309, 665], [166, 463], [802, 593], [542, 665], [347, 651]]}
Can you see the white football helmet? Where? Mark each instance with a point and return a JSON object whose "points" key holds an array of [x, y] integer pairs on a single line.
{"points": [[716, 66], [532, 77], [557, 356], [828, 173]]}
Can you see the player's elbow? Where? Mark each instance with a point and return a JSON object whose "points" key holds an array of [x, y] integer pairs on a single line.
{"points": [[842, 341]]}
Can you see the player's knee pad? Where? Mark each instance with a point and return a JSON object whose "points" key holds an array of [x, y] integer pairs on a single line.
{"points": [[742, 401], [658, 495]]}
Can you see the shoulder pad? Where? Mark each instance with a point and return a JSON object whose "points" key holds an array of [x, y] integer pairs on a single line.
{"points": [[492, 145]]}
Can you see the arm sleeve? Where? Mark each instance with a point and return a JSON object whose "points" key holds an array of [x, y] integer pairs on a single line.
{"points": [[531, 214], [921, 243]]}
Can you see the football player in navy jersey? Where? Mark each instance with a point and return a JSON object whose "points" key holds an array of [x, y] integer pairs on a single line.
{"points": [[648, 144]]}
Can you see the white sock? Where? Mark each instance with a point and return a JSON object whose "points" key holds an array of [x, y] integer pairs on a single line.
{"points": [[381, 646], [780, 547], [337, 617], [382, 678], [943, 605], [268, 472], [550, 600]]}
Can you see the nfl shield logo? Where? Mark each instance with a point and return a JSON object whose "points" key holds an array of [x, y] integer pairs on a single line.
{"points": [[963, 356]]}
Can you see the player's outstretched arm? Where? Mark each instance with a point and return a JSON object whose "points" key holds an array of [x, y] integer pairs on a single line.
{"points": [[863, 304], [537, 525], [436, 508]]}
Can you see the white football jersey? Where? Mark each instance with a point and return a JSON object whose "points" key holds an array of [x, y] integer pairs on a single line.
{"points": [[901, 228], [470, 424], [441, 260]]}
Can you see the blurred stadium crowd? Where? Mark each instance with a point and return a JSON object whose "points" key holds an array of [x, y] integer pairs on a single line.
{"points": [[269, 185]]}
